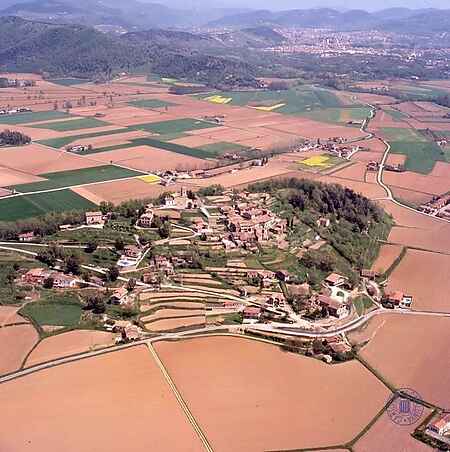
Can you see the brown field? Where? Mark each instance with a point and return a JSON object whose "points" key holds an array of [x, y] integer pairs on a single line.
{"points": [[430, 290], [69, 344], [441, 169], [235, 379], [170, 304], [367, 156], [172, 324], [121, 190], [13, 177], [395, 159], [387, 256], [371, 191], [387, 436], [245, 176], [37, 159], [17, 341], [122, 395], [356, 172], [8, 315], [146, 158], [417, 182], [171, 313], [415, 197], [412, 352]]}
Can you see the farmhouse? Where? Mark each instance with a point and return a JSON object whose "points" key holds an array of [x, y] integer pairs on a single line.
{"points": [[146, 219], [118, 295], [440, 426], [26, 237], [132, 251], [36, 275], [335, 280], [334, 307], [94, 218], [397, 299], [251, 314], [62, 281]]}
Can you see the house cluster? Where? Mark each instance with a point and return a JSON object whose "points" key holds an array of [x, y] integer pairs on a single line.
{"points": [[146, 219], [16, 83], [40, 275], [14, 111], [94, 218], [438, 206], [250, 222], [77, 148], [162, 266], [127, 331], [180, 200], [131, 256], [396, 299], [439, 428]]}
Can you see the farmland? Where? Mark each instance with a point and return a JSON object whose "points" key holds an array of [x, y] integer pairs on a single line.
{"points": [[21, 207], [26, 118], [73, 124], [77, 177], [174, 126]]}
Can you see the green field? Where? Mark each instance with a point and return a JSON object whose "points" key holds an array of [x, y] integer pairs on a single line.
{"points": [[297, 100], [152, 142], [338, 115], [151, 103], [21, 207], [222, 147], [401, 134], [55, 309], [77, 177], [25, 118], [174, 126], [74, 124], [395, 114], [68, 81], [58, 143], [420, 156]]}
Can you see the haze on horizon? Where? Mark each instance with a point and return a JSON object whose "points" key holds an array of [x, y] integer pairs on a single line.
{"points": [[278, 5]]}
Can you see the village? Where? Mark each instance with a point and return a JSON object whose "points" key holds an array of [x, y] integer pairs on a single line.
{"points": [[203, 251]]}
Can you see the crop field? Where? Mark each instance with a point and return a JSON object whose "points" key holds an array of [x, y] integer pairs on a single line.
{"points": [[17, 340], [61, 310], [401, 134], [420, 156], [77, 177], [60, 142], [25, 118], [151, 103], [69, 343], [295, 100], [84, 397], [418, 360], [68, 81], [320, 162], [150, 179], [73, 124], [339, 115], [174, 126], [221, 147], [20, 207], [247, 374]]}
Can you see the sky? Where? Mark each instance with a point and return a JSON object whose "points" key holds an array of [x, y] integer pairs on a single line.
{"points": [[303, 4]]}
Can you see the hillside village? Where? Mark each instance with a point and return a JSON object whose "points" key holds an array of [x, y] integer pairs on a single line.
{"points": [[190, 260]]}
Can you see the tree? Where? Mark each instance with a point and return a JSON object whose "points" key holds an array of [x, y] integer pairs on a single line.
{"points": [[48, 283], [113, 273], [131, 284], [91, 246], [119, 245], [72, 264], [106, 207], [96, 304], [164, 230]]}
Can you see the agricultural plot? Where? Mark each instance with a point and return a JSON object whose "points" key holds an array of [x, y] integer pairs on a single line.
{"points": [[296, 100], [21, 207], [73, 124], [319, 163], [68, 81], [82, 176], [25, 118], [174, 126], [401, 134], [222, 147], [338, 115], [420, 156], [151, 103], [58, 310], [60, 142]]}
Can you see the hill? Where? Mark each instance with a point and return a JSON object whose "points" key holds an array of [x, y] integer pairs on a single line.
{"points": [[76, 50], [393, 19]]}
